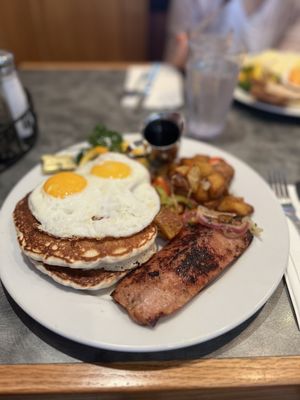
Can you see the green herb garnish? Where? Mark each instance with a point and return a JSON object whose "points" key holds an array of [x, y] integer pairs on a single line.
{"points": [[245, 85], [101, 136], [173, 200]]}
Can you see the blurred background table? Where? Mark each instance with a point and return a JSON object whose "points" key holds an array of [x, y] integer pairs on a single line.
{"points": [[259, 358]]}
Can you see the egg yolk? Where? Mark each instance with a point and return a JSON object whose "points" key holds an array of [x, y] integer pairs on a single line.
{"points": [[64, 184], [111, 169]]}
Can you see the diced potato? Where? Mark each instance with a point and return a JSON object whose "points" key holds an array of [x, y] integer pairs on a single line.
{"points": [[205, 168], [194, 160], [169, 223], [193, 177], [217, 185], [182, 169], [235, 205], [187, 162], [201, 195], [199, 158], [224, 169]]}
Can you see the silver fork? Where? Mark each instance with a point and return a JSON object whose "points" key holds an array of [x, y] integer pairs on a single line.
{"points": [[278, 183]]}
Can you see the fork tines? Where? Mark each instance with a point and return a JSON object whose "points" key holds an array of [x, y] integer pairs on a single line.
{"points": [[278, 183]]}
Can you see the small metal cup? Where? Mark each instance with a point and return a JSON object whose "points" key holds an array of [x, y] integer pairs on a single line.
{"points": [[163, 131]]}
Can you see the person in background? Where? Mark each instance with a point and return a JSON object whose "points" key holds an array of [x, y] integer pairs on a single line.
{"points": [[258, 24]]}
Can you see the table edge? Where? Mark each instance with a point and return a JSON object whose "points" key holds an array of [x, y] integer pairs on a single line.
{"points": [[226, 375]]}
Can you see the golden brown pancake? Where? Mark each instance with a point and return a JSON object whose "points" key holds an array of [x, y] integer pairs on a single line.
{"points": [[85, 279], [114, 254]]}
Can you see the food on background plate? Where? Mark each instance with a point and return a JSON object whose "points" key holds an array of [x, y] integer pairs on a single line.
{"points": [[100, 217], [271, 77], [292, 78], [178, 272]]}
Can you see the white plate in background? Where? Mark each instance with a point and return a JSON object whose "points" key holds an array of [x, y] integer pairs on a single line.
{"points": [[247, 99]]}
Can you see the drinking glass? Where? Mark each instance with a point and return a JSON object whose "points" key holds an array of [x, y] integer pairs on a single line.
{"points": [[211, 76]]}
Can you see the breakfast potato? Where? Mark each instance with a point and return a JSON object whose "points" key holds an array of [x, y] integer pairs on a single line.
{"points": [[194, 160], [188, 162], [168, 222], [218, 185], [205, 180], [205, 168], [224, 169], [182, 170], [201, 158], [194, 178], [235, 205], [201, 195]]}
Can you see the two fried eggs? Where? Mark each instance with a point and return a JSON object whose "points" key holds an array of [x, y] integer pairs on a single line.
{"points": [[110, 196]]}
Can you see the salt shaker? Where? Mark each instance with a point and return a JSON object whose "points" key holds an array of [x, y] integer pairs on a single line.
{"points": [[15, 97]]}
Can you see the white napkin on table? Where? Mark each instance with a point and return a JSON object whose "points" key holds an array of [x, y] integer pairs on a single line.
{"points": [[292, 274], [166, 91]]}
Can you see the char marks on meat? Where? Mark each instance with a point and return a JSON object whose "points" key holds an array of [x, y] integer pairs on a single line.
{"points": [[176, 273]]}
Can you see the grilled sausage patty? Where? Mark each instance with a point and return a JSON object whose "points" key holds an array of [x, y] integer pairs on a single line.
{"points": [[178, 272]]}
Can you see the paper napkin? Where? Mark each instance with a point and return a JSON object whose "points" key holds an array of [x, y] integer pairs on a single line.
{"points": [[165, 93], [292, 274]]}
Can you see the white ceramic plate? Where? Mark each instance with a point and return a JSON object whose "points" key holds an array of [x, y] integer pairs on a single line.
{"points": [[245, 98], [94, 319]]}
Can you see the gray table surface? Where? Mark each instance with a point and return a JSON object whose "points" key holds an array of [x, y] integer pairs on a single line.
{"points": [[68, 105]]}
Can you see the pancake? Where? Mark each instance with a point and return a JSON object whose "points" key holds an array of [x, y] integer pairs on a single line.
{"points": [[90, 279], [87, 279], [112, 254]]}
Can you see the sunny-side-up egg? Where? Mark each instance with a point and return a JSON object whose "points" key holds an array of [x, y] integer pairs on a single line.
{"points": [[110, 196], [118, 168]]}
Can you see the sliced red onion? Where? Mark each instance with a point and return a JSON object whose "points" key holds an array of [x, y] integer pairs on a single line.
{"points": [[211, 221]]}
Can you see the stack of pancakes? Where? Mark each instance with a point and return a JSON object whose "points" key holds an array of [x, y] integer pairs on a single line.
{"points": [[81, 263]]}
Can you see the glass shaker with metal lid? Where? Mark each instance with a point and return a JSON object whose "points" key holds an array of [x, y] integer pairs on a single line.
{"points": [[18, 125], [15, 103]]}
